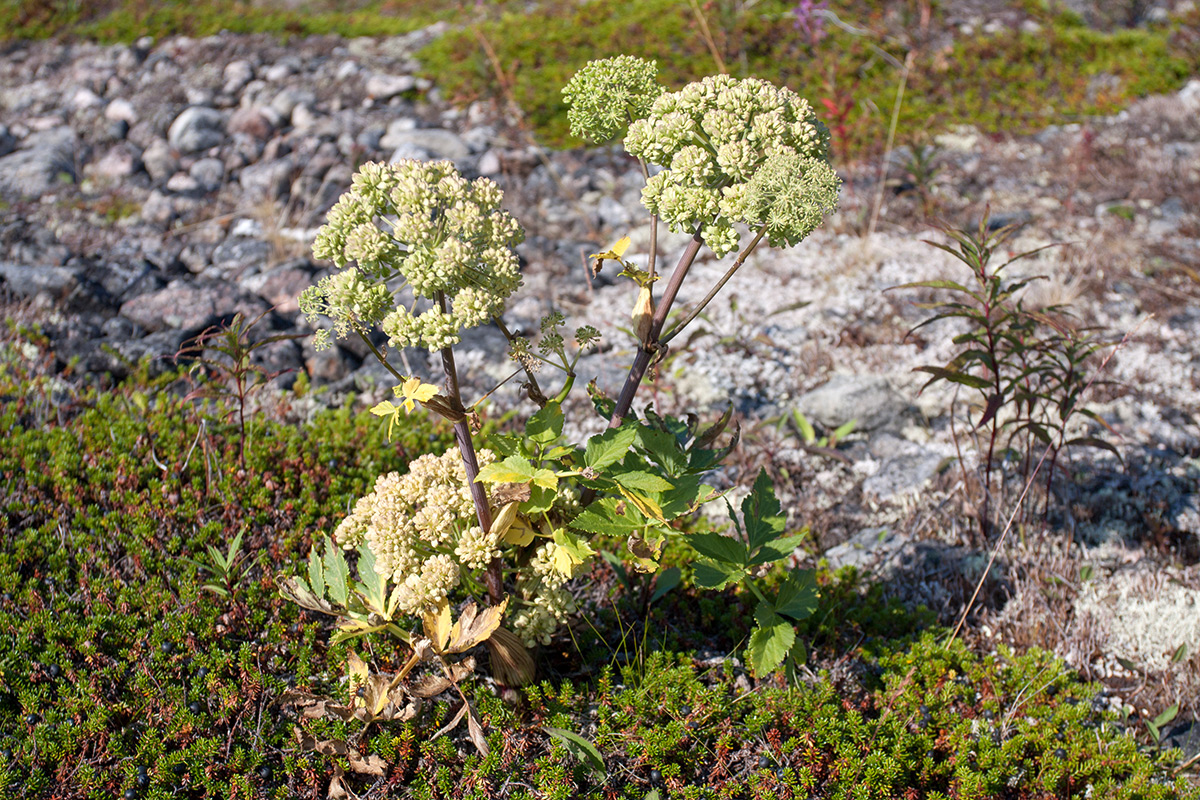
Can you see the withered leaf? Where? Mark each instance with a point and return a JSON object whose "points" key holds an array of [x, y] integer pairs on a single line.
{"points": [[473, 627], [430, 686], [503, 493], [475, 731], [313, 706], [370, 765], [291, 589]]}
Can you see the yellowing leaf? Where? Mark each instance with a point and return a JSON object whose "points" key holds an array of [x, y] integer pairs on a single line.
{"points": [[437, 625], [615, 252], [413, 391], [384, 409], [358, 671], [519, 534], [570, 552], [644, 504]]}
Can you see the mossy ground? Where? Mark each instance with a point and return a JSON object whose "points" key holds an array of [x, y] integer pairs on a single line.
{"points": [[120, 676]]}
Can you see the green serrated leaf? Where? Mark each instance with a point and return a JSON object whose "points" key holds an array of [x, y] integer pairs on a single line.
{"points": [[546, 425], [770, 641], [611, 517], [761, 513], [609, 447], [662, 448], [580, 748], [709, 575], [798, 595], [316, 574], [719, 548], [372, 583], [336, 573], [778, 549], [516, 469], [642, 481]]}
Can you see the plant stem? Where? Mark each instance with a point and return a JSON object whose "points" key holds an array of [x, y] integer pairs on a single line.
{"points": [[466, 447], [533, 390], [650, 348], [741, 259], [378, 355]]}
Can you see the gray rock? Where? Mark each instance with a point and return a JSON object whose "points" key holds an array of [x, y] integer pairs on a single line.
{"points": [[160, 161], [47, 162], [237, 74], [120, 109], [197, 128], [866, 550], [438, 142], [385, 87], [266, 180], [34, 281], [158, 209], [867, 399], [209, 173], [489, 164], [237, 255], [189, 307], [281, 287], [182, 183], [286, 101], [257, 123], [332, 364], [8, 142], [906, 467], [119, 161]]}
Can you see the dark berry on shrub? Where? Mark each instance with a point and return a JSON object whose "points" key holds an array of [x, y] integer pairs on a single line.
{"points": [[6, 754], [780, 772], [54, 671], [166, 647], [202, 673], [130, 794], [988, 714], [142, 780], [1060, 754], [194, 707], [655, 777], [764, 762], [33, 719], [264, 772], [179, 769]]}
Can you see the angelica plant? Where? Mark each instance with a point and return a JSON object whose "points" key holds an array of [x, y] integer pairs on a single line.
{"points": [[511, 518]]}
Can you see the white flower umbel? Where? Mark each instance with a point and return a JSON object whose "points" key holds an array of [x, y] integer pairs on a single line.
{"points": [[735, 152], [424, 225], [606, 95], [421, 528]]}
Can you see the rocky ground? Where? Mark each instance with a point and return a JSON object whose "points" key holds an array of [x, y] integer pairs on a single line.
{"points": [[153, 190]]}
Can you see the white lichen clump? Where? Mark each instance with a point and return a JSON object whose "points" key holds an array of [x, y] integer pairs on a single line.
{"points": [[423, 225]]}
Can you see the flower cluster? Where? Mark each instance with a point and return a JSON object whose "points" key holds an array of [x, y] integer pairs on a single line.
{"points": [[421, 527], [714, 138], [545, 603], [422, 222], [606, 95]]}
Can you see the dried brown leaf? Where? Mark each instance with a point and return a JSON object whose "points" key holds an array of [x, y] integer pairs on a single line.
{"points": [[474, 628], [503, 493], [430, 686]]}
